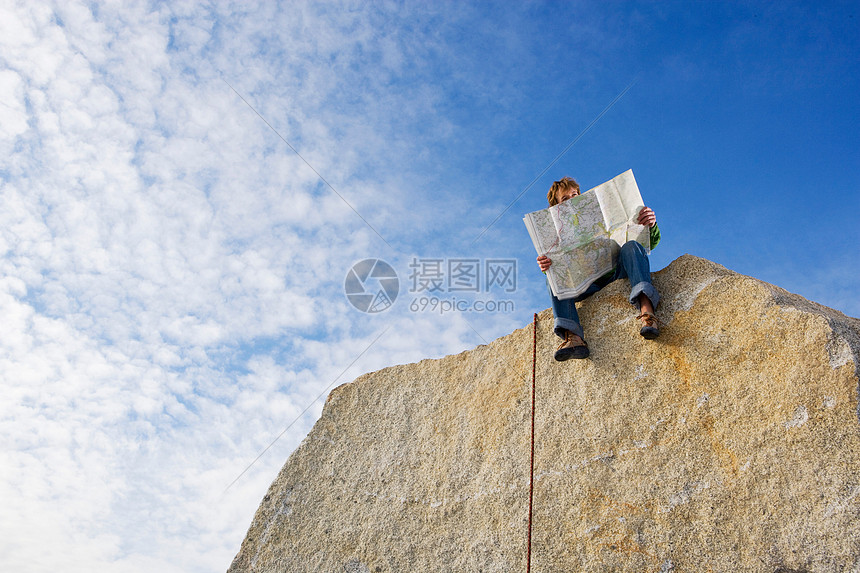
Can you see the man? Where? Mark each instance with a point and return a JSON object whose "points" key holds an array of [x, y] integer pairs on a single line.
{"points": [[632, 264]]}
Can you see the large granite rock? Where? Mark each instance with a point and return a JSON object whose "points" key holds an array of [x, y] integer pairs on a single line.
{"points": [[731, 443]]}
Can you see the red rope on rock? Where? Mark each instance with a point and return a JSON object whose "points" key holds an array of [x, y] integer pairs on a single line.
{"points": [[532, 457]]}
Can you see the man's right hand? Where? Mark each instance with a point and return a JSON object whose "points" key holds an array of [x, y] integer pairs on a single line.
{"points": [[544, 262]]}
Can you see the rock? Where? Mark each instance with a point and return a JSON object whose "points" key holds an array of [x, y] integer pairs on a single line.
{"points": [[730, 443]]}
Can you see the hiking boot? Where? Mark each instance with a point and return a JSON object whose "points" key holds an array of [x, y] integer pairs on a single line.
{"points": [[649, 328], [572, 347]]}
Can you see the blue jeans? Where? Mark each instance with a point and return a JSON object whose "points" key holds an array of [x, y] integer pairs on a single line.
{"points": [[632, 264]]}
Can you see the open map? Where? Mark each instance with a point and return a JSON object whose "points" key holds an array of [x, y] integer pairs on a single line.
{"points": [[583, 235]]}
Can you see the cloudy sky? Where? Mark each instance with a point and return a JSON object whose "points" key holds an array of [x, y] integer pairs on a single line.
{"points": [[185, 186]]}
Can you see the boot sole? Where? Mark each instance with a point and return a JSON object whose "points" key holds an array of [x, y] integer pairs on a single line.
{"points": [[576, 353], [649, 332]]}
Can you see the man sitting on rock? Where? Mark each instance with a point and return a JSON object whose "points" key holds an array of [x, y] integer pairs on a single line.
{"points": [[632, 264]]}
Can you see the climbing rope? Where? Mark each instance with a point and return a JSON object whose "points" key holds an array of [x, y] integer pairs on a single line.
{"points": [[532, 457]]}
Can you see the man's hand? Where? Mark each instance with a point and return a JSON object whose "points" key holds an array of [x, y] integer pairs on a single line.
{"points": [[647, 217], [544, 262]]}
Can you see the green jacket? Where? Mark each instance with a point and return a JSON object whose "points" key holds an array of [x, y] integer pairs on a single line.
{"points": [[655, 235]]}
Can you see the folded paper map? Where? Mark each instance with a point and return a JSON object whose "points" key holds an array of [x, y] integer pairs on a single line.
{"points": [[583, 235]]}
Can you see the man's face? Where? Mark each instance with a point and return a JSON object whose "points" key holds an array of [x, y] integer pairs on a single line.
{"points": [[567, 194]]}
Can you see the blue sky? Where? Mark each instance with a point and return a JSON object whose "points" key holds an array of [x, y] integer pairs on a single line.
{"points": [[172, 272]]}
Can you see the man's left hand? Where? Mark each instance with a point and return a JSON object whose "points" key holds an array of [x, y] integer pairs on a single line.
{"points": [[647, 217]]}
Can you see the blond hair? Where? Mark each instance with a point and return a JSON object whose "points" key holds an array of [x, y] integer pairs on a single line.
{"points": [[560, 187]]}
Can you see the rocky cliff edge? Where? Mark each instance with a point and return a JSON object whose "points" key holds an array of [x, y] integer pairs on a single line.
{"points": [[731, 443]]}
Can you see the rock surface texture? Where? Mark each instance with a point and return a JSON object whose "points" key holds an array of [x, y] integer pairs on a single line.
{"points": [[731, 443]]}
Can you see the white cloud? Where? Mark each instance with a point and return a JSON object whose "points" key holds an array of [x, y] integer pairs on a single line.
{"points": [[13, 116], [173, 272]]}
